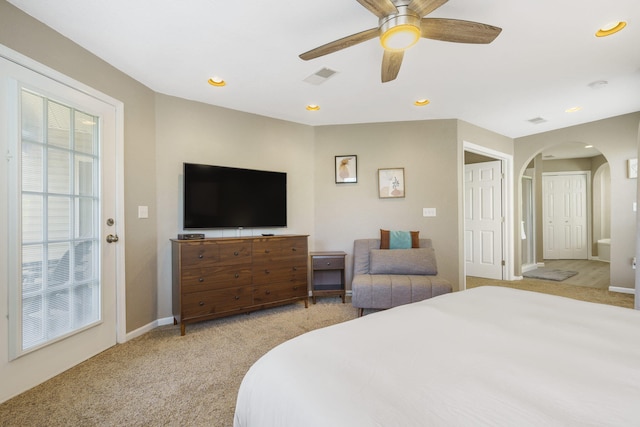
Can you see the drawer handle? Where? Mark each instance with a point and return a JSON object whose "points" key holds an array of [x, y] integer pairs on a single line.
{"points": [[236, 253], [201, 256], [295, 268], [295, 288], [201, 303], [294, 249], [328, 263], [237, 297], [201, 279], [237, 275], [266, 251], [267, 272], [268, 292]]}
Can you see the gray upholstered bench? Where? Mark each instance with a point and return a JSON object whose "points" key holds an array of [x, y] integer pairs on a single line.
{"points": [[385, 278]]}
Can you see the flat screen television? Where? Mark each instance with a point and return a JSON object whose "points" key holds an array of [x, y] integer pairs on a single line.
{"points": [[225, 197]]}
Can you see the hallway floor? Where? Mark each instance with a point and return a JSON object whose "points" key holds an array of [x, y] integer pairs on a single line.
{"points": [[592, 274]]}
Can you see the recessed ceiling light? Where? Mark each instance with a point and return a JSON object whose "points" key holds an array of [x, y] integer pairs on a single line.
{"points": [[572, 109], [421, 102], [313, 107], [611, 28], [588, 146], [216, 81]]}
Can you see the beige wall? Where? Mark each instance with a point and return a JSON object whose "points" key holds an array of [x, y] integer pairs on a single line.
{"points": [[428, 152], [21, 33], [192, 132], [161, 132], [616, 138]]}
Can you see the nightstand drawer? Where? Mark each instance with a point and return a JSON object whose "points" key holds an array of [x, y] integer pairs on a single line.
{"points": [[328, 263]]}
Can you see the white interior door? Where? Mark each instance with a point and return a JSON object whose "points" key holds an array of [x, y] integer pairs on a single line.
{"points": [[483, 220], [565, 216], [60, 192]]}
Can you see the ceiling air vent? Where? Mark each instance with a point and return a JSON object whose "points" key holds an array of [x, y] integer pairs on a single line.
{"points": [[320, 76], [537, 120]]}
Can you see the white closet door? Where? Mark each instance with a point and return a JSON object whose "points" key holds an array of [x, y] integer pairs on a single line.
{"points": [[565, 216]]}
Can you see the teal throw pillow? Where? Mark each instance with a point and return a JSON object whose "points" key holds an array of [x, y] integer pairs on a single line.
{"points": [[399, 240]]}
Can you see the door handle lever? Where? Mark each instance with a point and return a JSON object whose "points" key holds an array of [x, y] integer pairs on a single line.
{"points": [[112, 238]]}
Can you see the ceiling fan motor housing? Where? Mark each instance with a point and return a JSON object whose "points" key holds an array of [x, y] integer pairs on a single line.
{"points": [[401, 30]]}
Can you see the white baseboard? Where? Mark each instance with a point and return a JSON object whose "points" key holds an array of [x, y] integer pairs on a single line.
{"points": [[622, 290], [148, 327]]}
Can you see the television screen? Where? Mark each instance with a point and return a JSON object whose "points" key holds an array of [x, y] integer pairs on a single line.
{"points": [[224, 197]]}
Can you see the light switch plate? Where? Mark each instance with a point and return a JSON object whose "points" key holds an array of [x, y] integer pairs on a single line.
{"points": [[143, 211], [428, 211]]}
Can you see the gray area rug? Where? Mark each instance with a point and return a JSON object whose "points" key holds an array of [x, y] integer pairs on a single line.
{"points": [[549, 274]]}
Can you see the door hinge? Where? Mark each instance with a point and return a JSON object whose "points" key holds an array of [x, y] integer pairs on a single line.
{"points": [[503, 263]]}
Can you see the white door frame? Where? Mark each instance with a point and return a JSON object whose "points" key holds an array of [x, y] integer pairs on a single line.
{"points": [[39, 68], [507, 206]]}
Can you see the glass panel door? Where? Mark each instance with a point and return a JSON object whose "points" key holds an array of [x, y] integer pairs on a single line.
{"points": [[60, 205]]}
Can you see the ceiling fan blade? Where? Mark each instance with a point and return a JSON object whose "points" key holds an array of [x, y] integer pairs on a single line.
{"points": [[340, 44], [391, 62], [380, 8], [425, 7], [455, 30]]}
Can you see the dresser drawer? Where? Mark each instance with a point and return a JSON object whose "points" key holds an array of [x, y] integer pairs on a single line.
{"points": [[273, 250], [205, 303], [328, 263], [200, 279], [270, 293], [198, 255], [234, 252], [265, 274]]}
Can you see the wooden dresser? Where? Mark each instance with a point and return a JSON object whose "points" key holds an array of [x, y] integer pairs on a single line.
{"points": [[219, 277]]}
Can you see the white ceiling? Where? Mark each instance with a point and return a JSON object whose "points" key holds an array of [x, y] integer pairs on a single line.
{"points": [[542, 63]]}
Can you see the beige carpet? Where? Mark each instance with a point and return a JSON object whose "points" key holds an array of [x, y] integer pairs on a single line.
{"points": [[163, 379]]}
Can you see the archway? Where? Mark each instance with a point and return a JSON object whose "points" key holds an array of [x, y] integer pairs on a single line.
{"points": [[569, 157]]}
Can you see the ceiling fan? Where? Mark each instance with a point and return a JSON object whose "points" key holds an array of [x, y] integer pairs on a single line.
{"points": [[400, 26]]}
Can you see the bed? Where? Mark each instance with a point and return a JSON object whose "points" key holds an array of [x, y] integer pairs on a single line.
{"points": [[489, 356]]}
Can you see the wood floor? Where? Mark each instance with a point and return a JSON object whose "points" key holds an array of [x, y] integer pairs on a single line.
{"points": [[592, 274]]}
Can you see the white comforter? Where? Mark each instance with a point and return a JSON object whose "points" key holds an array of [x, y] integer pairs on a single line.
{"points": [[483, 357]]}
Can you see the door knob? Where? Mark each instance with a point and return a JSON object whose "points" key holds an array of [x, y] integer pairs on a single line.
{"points": [[112, 238]]}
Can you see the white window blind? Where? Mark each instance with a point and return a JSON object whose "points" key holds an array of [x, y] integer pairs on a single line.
{"points": [[59, 213]]}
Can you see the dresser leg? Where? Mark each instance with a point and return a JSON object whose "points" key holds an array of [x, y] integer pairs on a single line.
{"points": [[182, 329]]}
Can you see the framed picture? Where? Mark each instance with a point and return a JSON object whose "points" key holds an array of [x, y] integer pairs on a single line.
{"points": [[391, 183], [632, 168], [346, 169]]}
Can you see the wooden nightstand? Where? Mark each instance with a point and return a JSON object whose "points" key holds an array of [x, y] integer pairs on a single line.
{"points": [[327, 274]]}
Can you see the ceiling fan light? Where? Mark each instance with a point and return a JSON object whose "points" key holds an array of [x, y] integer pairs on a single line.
{"points": [[611, 28], [400, 37]]}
